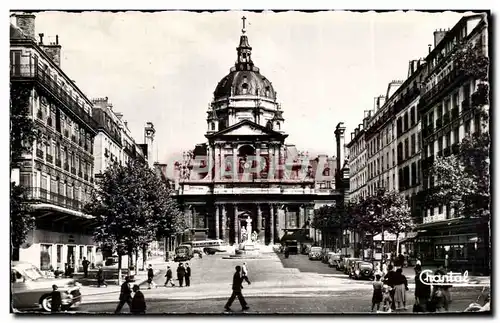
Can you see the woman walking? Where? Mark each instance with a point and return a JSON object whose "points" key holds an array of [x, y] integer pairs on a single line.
{"points": [[400, 288]]}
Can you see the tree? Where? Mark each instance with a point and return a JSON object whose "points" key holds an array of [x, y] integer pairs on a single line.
{"points": [[21, 218], [384, 211], [128, 203], [331, 220], [22, 134]]}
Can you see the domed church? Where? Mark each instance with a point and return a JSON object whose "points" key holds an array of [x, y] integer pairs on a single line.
{"points": [[245, 180]]}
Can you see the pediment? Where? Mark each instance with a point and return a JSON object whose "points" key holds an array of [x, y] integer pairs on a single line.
{"points": [[246, 130]]}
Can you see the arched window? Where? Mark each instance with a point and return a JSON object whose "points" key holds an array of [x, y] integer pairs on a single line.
{"points": [[212, 126], [269, 125], [278, 125], [244, 86]]}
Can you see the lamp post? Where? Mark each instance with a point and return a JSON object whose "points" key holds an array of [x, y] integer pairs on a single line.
{"points": [[382, 258]]}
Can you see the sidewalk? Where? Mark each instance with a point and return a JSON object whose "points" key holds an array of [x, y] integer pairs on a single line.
{"points": [[409, 272]]}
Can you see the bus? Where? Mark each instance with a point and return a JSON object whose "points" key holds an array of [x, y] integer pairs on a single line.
{"points": [[209, 247]]}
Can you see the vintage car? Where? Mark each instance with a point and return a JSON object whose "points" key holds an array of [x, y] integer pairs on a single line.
{"points": [[32, 289], [362, 270], [333, 259], [183, 252], [305, 249], [348, 264], [324, 255], [315, 253]]}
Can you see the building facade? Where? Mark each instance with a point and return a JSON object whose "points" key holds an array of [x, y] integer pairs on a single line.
{"points": [[59, 172], [447, 117], [246, 178]]}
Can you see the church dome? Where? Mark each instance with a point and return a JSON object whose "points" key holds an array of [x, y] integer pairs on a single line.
{"points": [[245, 82]]}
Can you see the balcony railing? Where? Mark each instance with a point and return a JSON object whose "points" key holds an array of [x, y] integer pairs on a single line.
{"points": [[39, 153], [43, 195], [441, 86], [58, 162], [37, 73], [49, 158]]}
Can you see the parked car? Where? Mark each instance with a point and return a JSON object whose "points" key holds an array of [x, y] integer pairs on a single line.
{"points": [[348, 264], [293, 246], [333, 259], [315, 253], [110, 261], [306, 248], [362, 270], [31, 289], [324, 255], [341, 262]]}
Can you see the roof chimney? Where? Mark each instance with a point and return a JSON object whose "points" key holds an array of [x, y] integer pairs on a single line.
{"points": [[430, 46], [438, 36], [26, 22], [41, 38], [53, 50]]}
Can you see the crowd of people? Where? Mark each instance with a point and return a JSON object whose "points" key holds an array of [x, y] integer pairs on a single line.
{"points": [[390, 289]]}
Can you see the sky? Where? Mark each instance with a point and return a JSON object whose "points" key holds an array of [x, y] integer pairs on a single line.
{"points": [[163, 67]]}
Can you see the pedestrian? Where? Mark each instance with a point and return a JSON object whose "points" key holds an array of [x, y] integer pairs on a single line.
{"points": [[56, 302], [138, 302], [181, 273], [168, 275], [419, 261], [422, 291], [401, 260], [389, 280], [237, 287], [85, 265], [384, 269], [151, 276], [244, 273], [125, 295], [446, 262], [441, 296], [58, 272], [400, 288], [386, 298], [377, 292], [188, 275], [100, 277]]}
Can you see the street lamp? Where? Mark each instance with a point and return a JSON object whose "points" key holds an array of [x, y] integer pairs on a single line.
{"points": [[382, 258]]}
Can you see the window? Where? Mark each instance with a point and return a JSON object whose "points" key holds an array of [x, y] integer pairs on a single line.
{"points": [[413, 145], [406, 125], [440, 144], [414, 174], [393, 158], [467, 127], [407, 150], [412, 116], [448, 139], [45, 257], [456, 135], [477, 123]]}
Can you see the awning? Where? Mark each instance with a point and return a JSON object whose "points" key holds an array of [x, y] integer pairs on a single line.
{"points": [[387, 237], [409, 236], [298, 235]]}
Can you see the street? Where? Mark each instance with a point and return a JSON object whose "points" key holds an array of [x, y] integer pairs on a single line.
{"points": [[279, 285]]}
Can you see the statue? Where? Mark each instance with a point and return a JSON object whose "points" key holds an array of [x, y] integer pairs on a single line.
{"points": [[254, 236], [249, 225]]}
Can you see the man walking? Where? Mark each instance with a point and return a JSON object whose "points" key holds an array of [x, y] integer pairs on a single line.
{"points": [[244, 273], [188, 275], [125, 295], [181, 273], [56, 299], [237, 286], [151, 276], [85, 265], [138, 302], [169, 277]]}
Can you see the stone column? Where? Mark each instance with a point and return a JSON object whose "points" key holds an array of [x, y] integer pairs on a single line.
{"points": [[257, 157], [285, 216], [275, 161], [222, 162], [236, 225], [258, 225], [235, 162], [270, 157], [210, 162], [271, 222], [193, 217], [280, 209], [224, 222], [217, 161], [302, 215], [217, 226]]}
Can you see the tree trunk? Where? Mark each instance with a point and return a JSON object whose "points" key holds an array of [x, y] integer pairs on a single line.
{"points": [[130, 252], [373, 249], [119, 269], [144, 256], [136, 259]]}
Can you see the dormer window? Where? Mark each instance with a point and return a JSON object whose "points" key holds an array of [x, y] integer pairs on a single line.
{"points": [[244, 86], [278, 125]]}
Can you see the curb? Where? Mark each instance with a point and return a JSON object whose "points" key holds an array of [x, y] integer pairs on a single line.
{"points": [[138, 282]]}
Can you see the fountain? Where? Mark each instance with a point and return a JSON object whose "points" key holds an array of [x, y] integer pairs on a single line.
{"points": [[246, 248]]}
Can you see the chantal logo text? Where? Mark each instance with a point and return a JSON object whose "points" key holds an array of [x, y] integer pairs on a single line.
{"points": [[427, 277]]}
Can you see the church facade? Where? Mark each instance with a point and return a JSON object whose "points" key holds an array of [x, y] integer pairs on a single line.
{"points": [[245, 179]]}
